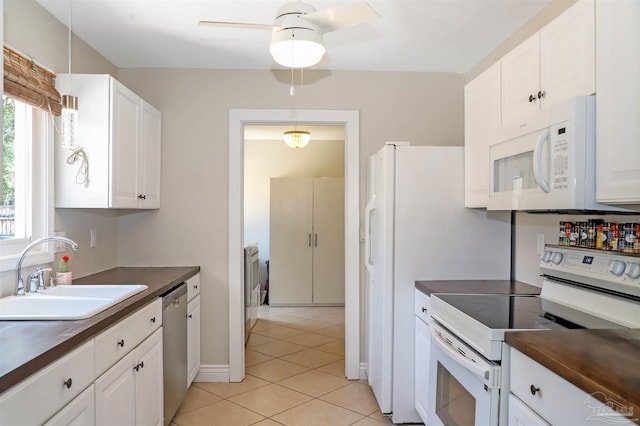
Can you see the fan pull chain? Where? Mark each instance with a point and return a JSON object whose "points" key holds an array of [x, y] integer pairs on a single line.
{"points": [[292, 90]]}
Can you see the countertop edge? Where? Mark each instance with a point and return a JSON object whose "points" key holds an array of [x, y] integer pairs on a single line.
{"points": [[90, 327], [516, 339]]}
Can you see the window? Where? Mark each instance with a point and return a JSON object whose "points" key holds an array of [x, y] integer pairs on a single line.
{"points": [[26, 203]]}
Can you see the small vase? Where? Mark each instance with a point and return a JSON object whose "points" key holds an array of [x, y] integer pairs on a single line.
{"points": [[64, 278]]}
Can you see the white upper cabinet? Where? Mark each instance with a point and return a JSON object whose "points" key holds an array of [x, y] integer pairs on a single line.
{"points": [[120, 134], [553, 65], [481, 121], [618, 102]]}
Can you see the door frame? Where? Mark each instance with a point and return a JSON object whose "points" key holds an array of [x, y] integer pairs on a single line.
{"points": [[238, 118]]}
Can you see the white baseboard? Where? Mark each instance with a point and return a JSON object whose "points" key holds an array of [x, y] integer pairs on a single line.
{"points": [[364, 367], [213, 373]]}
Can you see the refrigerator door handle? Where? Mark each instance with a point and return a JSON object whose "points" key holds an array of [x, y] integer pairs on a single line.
{"points": [[368, 213]]}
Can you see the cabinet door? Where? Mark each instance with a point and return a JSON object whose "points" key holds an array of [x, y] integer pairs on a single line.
{"points": [[328, 240], [291, 251], [422, 349], [618, 102], [148, 381], [115, 394], [481, 122], [150, 142], [125, 134], [567, 54], [521, 80], [521, 415], [79, 412], [193, 339]]}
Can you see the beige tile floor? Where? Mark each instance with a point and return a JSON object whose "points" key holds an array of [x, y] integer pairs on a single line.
{"points": [[294, 377]]}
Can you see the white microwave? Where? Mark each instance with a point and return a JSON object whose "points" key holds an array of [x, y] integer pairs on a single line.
{"points": [[547, 161]]}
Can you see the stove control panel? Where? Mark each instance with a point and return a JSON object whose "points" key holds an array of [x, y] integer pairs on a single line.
{"points": [[615, 271]]}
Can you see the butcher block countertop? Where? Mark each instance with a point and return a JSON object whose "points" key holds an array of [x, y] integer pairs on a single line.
{"points": [[606, 361], [476, 287], [28, 346]]}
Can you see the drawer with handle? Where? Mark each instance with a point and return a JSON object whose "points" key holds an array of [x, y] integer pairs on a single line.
{"points": [[37, 398], [423, 306], [122, 337]]}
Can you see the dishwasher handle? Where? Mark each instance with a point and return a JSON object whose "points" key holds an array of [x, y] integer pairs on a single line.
{"points": [[174, 295]]}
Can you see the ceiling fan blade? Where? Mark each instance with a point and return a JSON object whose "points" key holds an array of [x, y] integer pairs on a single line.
{"points": [[342, 16], [245, 25]]}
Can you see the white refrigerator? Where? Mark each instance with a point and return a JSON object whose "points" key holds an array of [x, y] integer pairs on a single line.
{"points": [[417, 228]]}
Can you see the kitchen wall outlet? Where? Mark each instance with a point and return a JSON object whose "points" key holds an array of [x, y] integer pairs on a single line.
{"points": [[92, 238], [60, 246], [539, 243]]}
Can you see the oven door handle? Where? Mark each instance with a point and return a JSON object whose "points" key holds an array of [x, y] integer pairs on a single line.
{"points": [[458, 357]]}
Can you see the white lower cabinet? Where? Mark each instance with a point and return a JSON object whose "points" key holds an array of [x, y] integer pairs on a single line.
{"points": [[40, 396], [130, 392], [521, 415], [541, 397], [193, 339], [79, 412], [422, 349]]}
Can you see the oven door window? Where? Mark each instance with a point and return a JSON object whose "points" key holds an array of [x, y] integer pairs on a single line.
{"points": [[454, 405], [457, 396]]}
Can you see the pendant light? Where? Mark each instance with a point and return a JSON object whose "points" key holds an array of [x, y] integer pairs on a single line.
{"points": [[69, 118], [297, 138]]}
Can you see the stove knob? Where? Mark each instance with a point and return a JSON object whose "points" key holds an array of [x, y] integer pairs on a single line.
{"points": [[617, 267], [546, 256], [556, 257], [634, 270]]}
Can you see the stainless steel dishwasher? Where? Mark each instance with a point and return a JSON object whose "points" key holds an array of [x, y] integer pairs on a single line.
{"points": [[174, 345]]}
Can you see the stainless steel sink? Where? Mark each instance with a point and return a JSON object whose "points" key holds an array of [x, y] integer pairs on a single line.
{"points": [[71, 302]]}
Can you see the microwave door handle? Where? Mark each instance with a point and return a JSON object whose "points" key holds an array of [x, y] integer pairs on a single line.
{"points": [[368, 237], [537, 162], [459, 358]]}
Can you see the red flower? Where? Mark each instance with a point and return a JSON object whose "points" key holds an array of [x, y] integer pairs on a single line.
{"points": [[65, 258]]}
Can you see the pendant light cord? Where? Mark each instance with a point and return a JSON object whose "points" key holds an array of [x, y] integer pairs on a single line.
{"points": [[69, 46]]}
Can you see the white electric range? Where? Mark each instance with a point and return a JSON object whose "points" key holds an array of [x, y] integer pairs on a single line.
{"points": [[582, 289]]}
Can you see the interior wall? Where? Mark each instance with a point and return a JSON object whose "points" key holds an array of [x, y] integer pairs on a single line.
{"points": [[268, 158], [34, 32], [191, 226]]}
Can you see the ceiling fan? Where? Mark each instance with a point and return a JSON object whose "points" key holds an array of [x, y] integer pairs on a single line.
{"points": [[296, 40]]}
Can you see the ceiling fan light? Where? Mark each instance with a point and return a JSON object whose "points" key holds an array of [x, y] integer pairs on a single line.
{"points": [[297, 48], [297, 138]]}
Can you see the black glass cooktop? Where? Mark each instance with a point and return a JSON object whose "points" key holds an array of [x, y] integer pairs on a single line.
{"points": [[509, 312]]}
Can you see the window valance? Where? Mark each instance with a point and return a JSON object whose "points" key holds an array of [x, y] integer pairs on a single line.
{"points": [[30, 83]]}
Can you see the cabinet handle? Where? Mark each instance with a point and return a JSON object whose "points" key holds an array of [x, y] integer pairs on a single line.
{"points": [[316, 240], [195, 287], [534, 389], [121, 343], [141, 364], [137, 367], [540, 94], [190, 316], [153, 320], [532, 98], [424, 309], [142, 197], [67, 383], [309, 240]]}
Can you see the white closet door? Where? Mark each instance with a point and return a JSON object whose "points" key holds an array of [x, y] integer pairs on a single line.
{"points": [[328, 240], [291, 227]]}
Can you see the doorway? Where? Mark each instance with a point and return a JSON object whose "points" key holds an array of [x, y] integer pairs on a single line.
{"points": [[238, 119]]}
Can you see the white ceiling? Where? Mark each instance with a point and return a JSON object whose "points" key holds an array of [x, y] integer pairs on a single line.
{"points": [[410, 35]]}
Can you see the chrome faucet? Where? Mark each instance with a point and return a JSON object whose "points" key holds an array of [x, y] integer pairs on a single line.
{"points": [[20, 290]]}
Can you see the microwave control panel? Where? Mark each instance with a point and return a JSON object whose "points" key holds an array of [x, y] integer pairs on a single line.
{"points": [[560, 153]]}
